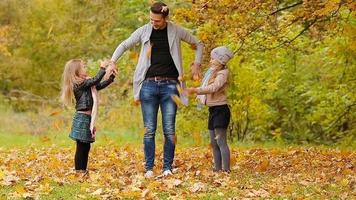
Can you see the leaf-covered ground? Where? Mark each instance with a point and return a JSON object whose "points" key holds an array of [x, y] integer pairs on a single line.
{"points": [[117, 173]]}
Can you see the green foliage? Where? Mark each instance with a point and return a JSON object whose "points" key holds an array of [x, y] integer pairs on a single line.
{"points": [[292, 76]]}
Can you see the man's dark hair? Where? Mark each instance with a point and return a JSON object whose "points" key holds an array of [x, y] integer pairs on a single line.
{"points": [[160, 8]]}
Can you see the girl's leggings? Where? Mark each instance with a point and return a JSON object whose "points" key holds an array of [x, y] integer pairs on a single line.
{"points": [[221, 152], [81, 155]]}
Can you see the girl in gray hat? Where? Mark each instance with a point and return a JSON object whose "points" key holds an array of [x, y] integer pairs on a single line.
{"points": [[212, 93]]}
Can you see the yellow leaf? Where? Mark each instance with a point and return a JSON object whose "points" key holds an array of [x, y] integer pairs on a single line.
{"points": [[177, 100], [179, 88], [45, 139], [195, 83], [20, 190], [263, 165], [148, 54], [56, 125], [2, 174], [54, 113], [344, 182]]}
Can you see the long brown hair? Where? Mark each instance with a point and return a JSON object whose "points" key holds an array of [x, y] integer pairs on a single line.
{"points": [[70, 77]]}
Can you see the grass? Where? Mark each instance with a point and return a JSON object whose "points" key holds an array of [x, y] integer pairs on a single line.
{"points": [[19, 134], [130, 137], [66, 191]]}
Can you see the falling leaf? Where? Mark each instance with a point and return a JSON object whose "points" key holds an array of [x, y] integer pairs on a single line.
{"points": [[149, 51], [56, 124], [179, 88], [135, 103], [193, 46], [54, 113], [177, 100]]}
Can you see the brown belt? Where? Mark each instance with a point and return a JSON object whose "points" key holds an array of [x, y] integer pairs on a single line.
{"points": [[160, 78], [88, 112]]}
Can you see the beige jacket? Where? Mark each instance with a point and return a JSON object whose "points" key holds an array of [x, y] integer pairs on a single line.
{"points": [[215, 92]]}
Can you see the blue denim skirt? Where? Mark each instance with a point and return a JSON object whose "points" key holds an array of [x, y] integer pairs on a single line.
{"points": [[81, 128]]}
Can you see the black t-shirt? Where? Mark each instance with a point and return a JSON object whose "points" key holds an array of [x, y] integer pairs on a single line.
{"points": [[161, 60]]}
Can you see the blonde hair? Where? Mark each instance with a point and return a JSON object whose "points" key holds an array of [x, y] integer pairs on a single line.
{"points": [[70, 77], [218, 68]]}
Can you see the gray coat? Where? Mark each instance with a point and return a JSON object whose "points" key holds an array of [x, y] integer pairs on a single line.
{"points": [[175, 35]]}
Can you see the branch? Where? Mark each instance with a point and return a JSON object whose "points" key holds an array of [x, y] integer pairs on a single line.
{"points": [[243, 38], [21, 95], [346, 111], [238, 49], [285, 8], [204, 6], [295, 37], [334, 13], [301, 32]]}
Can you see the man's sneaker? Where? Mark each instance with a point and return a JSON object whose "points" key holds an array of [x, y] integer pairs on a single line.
{"points": [[149, 174], [167, 172]]}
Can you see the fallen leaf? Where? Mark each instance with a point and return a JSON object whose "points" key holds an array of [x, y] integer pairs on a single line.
{"points": [[171, 183], [197, 187], [97, 192]]}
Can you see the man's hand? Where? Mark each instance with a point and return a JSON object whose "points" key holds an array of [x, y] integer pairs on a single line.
{"points": [[196, 72], [112, 68], [136, 102], [104, 64]]}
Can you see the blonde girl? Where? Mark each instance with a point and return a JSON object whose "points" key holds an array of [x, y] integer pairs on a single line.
{"points": [[79, 87]]}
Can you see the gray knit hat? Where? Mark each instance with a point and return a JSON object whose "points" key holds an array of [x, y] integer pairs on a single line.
{"points": [[222, 54]]}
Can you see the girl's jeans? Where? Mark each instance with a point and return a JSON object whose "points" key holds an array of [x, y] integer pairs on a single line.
{"points": [[154, 95]]}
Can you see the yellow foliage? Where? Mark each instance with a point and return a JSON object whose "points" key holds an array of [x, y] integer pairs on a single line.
{"points": [[4, 40]]}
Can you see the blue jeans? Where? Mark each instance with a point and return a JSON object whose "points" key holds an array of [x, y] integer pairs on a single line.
{"points": [[155, 94]]}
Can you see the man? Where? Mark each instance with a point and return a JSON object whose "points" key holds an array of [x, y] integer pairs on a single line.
{"points": [[156, 76]]}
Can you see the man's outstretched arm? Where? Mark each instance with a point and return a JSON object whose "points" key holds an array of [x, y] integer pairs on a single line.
{"points": [[126, 44]]}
